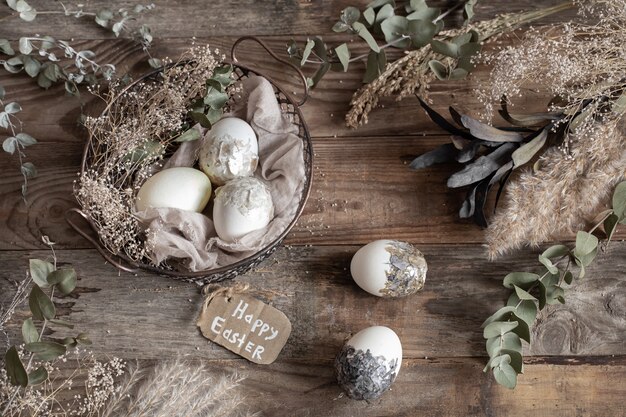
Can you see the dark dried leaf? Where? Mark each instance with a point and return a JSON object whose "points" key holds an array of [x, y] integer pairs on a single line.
{"points": [[489, 133], [444, 153]]}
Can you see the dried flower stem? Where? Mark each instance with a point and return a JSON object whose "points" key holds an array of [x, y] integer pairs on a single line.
{"points": [[411, 75]]}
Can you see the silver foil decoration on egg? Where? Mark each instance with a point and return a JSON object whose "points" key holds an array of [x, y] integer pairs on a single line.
{"points": [[407, 270], [246, 194], [225, 158], [362, 375]]}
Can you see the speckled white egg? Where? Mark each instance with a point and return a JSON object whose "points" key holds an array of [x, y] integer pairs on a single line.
{"points": [[181, 188], [389, 268], [369, 363], [241, 206], [229, 150]]}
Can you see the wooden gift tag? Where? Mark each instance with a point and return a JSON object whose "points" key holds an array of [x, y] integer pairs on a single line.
{"points": [[244, 325]]}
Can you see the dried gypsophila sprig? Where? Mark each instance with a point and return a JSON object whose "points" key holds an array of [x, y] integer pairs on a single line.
{"points": [[584, 66], [128, 140], [411, 74], [78, 384]]}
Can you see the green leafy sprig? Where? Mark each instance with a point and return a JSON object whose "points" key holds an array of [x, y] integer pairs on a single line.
{"points": [[411, 27], [209, 109], [47, 279], [51, 61], [507, 327]]}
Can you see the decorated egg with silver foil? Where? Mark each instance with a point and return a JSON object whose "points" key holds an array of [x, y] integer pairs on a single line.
{"points": [[229, 150], [389, 268], [369, 363], [241, 206]]}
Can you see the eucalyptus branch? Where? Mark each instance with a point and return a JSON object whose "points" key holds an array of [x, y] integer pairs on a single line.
{"points": [[414, 30], [507, 327]]}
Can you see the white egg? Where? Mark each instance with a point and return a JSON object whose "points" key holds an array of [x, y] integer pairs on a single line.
{"points": [[229, 150], [389, 268], [241, 206], [181, 188], [369, 363]]}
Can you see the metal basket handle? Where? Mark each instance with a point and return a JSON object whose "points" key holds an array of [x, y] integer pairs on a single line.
{"points": [[105, 254], [233, 57]]}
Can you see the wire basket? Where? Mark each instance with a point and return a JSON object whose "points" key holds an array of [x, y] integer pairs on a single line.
{"points": [[290, 108]]}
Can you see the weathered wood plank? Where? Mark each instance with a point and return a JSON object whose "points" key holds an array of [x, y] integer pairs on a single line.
{"points": [[362, 190], [427, 387], [223, 17], [146, 317], [324, 112]]}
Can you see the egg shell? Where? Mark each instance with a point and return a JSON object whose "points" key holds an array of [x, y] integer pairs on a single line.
{"points": [[369, 363], [241, 206], [389, 268], [229, 150], [181, 188]]}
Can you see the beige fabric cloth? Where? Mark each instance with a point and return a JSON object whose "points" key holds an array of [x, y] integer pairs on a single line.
{"points": [[187, 240]]}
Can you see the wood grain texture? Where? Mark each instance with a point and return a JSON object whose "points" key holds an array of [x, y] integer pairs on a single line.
{"points": [[431, 388], [147, 316], [223, 17], [362, 191]]}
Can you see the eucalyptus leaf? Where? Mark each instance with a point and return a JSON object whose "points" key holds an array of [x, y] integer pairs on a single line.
{"points": [[200, 118], [188, 136], [350, 14], [25, 46], [619, 200], [39, 271], [384, 13], [555, 251], [310, 43], [522, 329], [396, 31], [37, 376], [43, 81], [83, 339], [377, 3], [46, 351], [5, 47], [15, 368], [28, 170], [523, 280], [12, 108], [524, 309], [340, 27], [343, 54], [523, 295], [498, 328], [64, 279], [586, 243], [365, 34], [458, 74], [505, 375], [9, 145], [517, 361], [321, 71], [31, 66], [445, 48], [439, 69], [150, 149], [421, 32], [568, 277], [376, 63], [610, 225], [29, 331], [155, 63], [369, 15], [40, 304]]}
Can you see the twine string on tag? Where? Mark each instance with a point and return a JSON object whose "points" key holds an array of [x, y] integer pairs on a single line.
{"points": [[225, 292]]}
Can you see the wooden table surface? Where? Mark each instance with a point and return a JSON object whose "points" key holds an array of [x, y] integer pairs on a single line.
{"points": [[362, 191]]}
